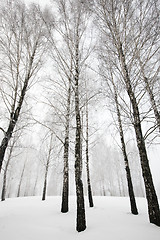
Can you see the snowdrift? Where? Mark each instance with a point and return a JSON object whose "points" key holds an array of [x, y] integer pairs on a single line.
{"points": [[31, 219]]}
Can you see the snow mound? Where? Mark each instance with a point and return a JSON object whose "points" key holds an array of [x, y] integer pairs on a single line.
{"points": [[31, 219]]}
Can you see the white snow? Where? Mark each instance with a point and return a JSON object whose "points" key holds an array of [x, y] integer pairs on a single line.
{"points": [[31, 219]]}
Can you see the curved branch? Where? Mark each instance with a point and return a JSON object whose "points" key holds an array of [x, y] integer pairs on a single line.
{"points": [[2, 130]]}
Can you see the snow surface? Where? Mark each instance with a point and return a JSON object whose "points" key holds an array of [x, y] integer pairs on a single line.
{"points": [[31, 219]]}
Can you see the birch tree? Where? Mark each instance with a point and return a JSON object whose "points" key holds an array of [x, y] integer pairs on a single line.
{"points": [[47, 164], [90, 197], [23, 44], [73, 32], [21, 178], [117, 18], [127, 168], [113, 94]]}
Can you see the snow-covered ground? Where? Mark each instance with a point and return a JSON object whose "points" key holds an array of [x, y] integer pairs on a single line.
{"points": [[31, 219]]}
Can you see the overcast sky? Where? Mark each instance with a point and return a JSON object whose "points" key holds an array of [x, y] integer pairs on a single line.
{"points": [[154, 151]]}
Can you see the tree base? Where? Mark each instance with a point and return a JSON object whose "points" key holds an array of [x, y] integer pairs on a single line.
{"points": [[81, 229], [64, 210], [135, 213], [155, 220]]}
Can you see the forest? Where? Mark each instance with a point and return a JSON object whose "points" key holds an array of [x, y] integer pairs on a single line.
{"points": [[80, 102]]}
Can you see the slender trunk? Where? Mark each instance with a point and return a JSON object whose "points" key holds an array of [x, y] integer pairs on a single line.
{"points": [[127, 168], [134, 209], [153, 206], [35, 185], [3, 195], [65, 194], [5, 141], [81, 221], [90, 198], [45, 184], [46, 169], [27, 187], [9, 187], [20, 182], [119, 185]]}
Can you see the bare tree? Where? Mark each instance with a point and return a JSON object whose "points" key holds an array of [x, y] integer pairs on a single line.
{"points": [[75, 19], [65, 193], [90, 197], [60, 105], [23, 44], [87, 160], [127, 168], [113, 94], [116, 17], [21, 178], [70, 58], [47, 165], [10, 155]]}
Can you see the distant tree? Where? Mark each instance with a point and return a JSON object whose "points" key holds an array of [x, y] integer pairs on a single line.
{"points": [[21, 177], [47, 164]]}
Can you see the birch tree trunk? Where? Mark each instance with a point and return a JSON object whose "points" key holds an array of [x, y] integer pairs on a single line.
{"points": [[47, 168], [64, 207], [113, 18], [45, 183], [81, 221], [153, 205], [35, 185], [134, 209], [90, 198], [21, 179], [3, 195]]}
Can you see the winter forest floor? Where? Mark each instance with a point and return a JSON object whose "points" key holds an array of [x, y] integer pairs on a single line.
{"points": [[31, 219]]}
